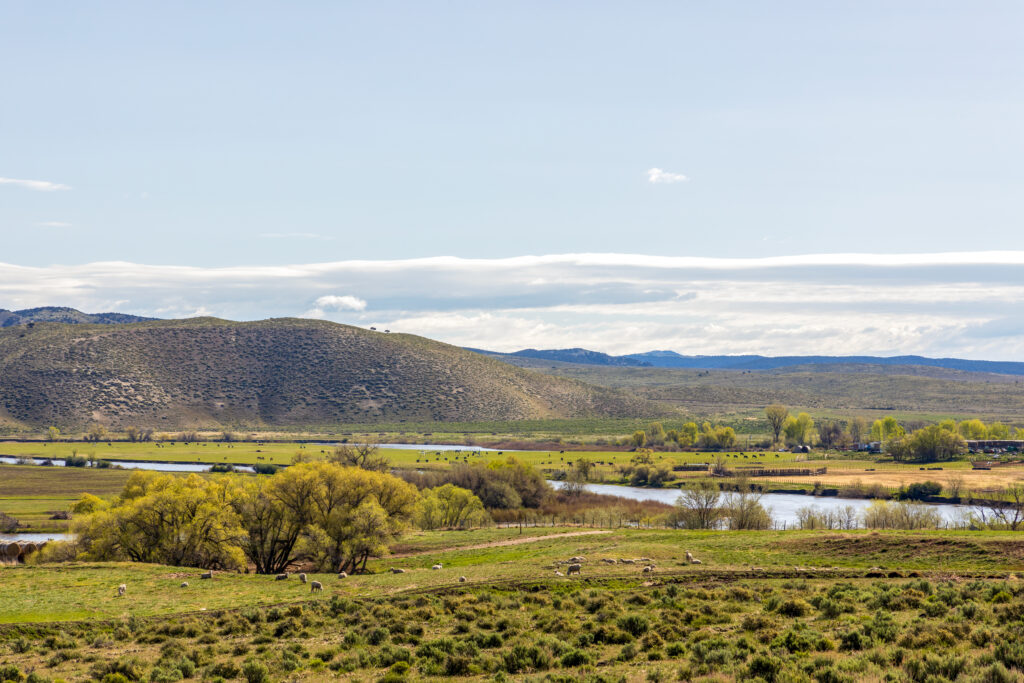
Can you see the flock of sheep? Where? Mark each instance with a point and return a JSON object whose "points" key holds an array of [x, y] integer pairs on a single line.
{"points": [[574, 566]]}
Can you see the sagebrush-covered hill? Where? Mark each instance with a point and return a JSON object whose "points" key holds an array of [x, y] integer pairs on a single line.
{"points": [[205, 371]]}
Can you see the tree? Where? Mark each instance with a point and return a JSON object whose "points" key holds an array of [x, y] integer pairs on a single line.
{"points": [[886, 428], [997, 430], [688, 434], [133, 433], [858, 429], [830, 434], [178, 521], [96, 434], [364, 456], [799, 430], [639, 439], [1009, 512], [449, 507], [655, 433], [931, 444], [973, 429], [584, 467], [52, 434], [776, 414], [745, 512], [698, 507]]}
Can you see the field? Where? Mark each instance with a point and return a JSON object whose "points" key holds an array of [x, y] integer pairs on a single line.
{"points": [[778, 605], [33, 494]]}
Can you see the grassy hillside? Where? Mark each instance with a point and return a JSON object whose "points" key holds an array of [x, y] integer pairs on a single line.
{"points": [[204, 371], [849, 389]]}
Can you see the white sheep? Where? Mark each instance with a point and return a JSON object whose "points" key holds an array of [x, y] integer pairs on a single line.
{"points": [[648, 569], [281, 577], [342, 575], [122, 589], [397, 571], [184, 584], [316, 587], [206, 575], [437, 566], [302, 578], [574, 569], [462, 579]]}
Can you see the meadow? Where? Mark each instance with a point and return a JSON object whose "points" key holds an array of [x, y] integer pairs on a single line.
{"points": [[774, 606]]}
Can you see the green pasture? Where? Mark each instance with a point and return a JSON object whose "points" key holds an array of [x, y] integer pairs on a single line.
{"points": [[88, 590]]}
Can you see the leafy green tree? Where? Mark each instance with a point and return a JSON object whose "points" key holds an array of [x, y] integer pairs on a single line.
{"points": [[688, 434], [52, 433], [997, 430], [776, 414], [799, 430], [96, 433], [639, 439], [449, 507], [655, 433], [886, 428], [179, 521], [930, 444], [973, 429]]}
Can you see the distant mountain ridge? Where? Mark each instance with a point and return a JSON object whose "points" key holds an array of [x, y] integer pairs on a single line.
{"points": [[62, 314], [671, 359]]}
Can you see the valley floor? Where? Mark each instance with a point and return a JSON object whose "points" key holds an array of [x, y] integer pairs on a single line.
{"points": [[797, 605]]}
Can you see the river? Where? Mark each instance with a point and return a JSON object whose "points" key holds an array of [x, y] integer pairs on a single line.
{"points": [[782, 506]]}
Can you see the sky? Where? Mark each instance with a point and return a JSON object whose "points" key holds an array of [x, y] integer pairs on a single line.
{"points": [[746, 177]]}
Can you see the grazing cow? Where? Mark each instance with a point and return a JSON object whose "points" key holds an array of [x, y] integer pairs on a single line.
{"points": [[437, 566], [574, 569], [122, 589], [397, 571], [302, 578], [316, 587], [462, 579], [206, 575], [342, 575], [281, 577]]}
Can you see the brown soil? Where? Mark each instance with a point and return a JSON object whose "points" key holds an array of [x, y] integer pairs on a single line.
{"points": [[903, 547], [498, 544]]}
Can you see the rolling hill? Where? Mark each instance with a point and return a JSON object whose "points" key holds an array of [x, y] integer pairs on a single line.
{"points": [[671, 359], [207, 372], [60, 314]]}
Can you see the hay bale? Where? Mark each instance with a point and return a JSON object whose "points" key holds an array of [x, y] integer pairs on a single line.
{"points": [[13, 549]]}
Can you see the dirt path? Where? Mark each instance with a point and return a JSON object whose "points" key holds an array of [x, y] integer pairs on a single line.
{"points": [[498, 544]]}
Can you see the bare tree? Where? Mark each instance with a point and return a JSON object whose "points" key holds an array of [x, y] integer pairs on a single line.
{"points": [[776, 414], [698, 507], [1009, 512], [363, 455]]}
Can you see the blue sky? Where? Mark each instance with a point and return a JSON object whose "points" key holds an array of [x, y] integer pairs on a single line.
{"points": [[231, 135]]}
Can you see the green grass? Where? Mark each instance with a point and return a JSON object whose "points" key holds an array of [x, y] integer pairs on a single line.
{"points": [[942, 602]]}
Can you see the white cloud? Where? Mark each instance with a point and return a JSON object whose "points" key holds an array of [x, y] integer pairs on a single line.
{"points": [[294, 236], [37, 185], [333, 302], [658, 176], [54, 224], [951, 304]]}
